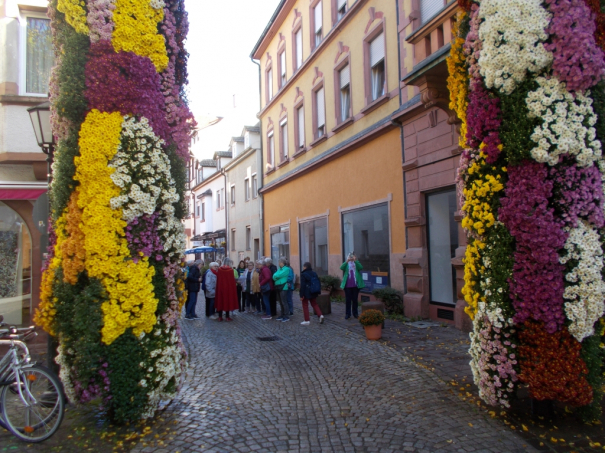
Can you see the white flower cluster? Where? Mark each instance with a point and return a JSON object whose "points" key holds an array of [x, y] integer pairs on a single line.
{"points": [[166, 366], [512, 34], [142, 172], [564, 129], [65, 374], [173, 233], [586, 294], [157, 4]]}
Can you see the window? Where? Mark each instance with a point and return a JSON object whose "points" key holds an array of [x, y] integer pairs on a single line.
{"points": [[298, 48], [247, 188], [198, 209], [318, 23], [280, 242], [233, 240], [341, 5], [314, 245], [200, 176], [39, 55], [428, 8], [271, 149], [377, 76], [218, 199], [443, 242], [203, 213], [320, 106], [269, 84], [246, 140], [248, 238], [254, 186], [300, 126], [345, 92], [366, 233], [282, 69], [232, 195], [283, 130]]}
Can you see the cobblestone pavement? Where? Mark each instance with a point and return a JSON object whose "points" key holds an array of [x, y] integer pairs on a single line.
{"points": [[319, 388]]}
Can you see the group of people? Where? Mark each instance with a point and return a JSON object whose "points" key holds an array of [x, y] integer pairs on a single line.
{"points": [[257, 287]]}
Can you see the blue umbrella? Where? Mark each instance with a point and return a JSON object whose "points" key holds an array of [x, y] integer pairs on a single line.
{"points": [[199, 250]]}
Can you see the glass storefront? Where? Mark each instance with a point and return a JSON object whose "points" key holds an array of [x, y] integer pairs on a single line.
{"points": [[314, 245], [280, 243], [15, 267], [366, 234], [443, 242]]}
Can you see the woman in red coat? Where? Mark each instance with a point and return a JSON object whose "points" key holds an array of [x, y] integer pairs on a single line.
{"points": [[226, 291]]}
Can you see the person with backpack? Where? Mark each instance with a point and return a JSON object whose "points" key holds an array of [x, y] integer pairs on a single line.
{"points": [[194, 277], [351, 283], [310, 288]]}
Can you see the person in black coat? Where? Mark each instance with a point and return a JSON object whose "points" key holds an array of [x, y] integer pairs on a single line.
{"points": [[306, 296], [194, 278]]}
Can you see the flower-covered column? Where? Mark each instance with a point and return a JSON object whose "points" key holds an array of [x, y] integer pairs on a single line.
{"points": [[113, 286], [526, 78]]}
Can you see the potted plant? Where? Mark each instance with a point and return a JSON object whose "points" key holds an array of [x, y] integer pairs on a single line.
{"points": [[391, 298], [372, 320]]}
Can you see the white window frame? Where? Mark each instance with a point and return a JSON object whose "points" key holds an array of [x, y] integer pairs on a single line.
{"points": [[345, 86], [247, 188], [374, 64], [270, 83], [341, 8], [271, 145], [254, 186], [247, 140], [283, 77], [232, 194], [203, 213], [248, 237], [318, 30], [283, 135], [321, 126], [298, 39], [300, 118], [23, 15]]}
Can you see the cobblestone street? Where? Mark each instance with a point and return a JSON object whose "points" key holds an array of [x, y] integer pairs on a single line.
{"points": [[318, 388]]}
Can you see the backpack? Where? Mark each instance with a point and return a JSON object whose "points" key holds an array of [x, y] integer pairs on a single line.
{"points": [[315, 285]]}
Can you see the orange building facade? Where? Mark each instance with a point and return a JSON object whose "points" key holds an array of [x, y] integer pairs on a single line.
{"points": [[333, 182]]}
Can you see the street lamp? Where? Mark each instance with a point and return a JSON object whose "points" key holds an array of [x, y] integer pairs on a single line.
{"points": [[40, 117]]}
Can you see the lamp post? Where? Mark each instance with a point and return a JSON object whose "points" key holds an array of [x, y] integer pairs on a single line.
{"points": [[40, 118]]}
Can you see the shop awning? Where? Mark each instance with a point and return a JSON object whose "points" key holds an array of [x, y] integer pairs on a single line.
{"points": [[21, 194]]}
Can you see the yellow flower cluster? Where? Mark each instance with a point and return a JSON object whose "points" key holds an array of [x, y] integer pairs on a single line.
{"points": [[472, 270], [478, 197], [72, 249], [136, 30], [75, 14], [132, 303], [45, 314], [457, 80]]}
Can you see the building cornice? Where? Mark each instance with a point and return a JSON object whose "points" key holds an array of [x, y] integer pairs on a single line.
{"points": [[15, 99]]}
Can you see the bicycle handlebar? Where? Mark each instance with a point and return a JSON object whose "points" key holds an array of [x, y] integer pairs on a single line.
{"points": [[18, 333]]}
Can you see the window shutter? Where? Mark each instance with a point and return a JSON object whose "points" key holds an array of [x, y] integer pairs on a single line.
{"points": [[321, 108], [282, 57], [341, 3], [377, 49], [318, 17], [345, 76], [428, 8], [299, 49], [301, 127]]}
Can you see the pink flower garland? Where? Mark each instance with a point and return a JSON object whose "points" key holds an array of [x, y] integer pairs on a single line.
{"points": [[142, 236], [140, 89], [578, 61], [483, 121], [537, 285], [99, 18]]}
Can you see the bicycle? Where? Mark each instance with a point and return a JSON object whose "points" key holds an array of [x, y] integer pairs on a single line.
{"points": [[32, 403]]}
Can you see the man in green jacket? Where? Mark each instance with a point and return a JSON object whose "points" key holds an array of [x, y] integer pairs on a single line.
{"points": [[351, 283]]}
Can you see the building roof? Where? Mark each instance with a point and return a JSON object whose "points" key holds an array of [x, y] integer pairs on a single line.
{"points": [[253, 128], [223, 154], [266, 32], [237, 139], [207, 163]]}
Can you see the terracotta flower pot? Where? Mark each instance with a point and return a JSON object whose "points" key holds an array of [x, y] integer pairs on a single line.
{"points": [[373, 332]]}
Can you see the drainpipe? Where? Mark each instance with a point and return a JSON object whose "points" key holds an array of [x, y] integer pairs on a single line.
{"points": [[259, 172]]}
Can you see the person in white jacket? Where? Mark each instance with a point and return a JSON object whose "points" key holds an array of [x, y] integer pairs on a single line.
{"points": [[210, 288]]}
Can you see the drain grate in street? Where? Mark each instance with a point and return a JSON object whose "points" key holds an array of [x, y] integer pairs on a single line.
{"points": [[274, 338]]}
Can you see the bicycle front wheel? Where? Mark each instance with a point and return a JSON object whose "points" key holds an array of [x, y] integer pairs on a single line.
{"points": [[33, 406]]}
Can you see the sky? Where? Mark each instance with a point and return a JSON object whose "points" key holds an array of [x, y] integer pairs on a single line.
{"points": [[223, 81]]}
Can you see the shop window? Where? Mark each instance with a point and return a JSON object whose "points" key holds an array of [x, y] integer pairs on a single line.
{"points": [[443, 242], [15, 268], [366, 234], [280, 242], [314, 245]]}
